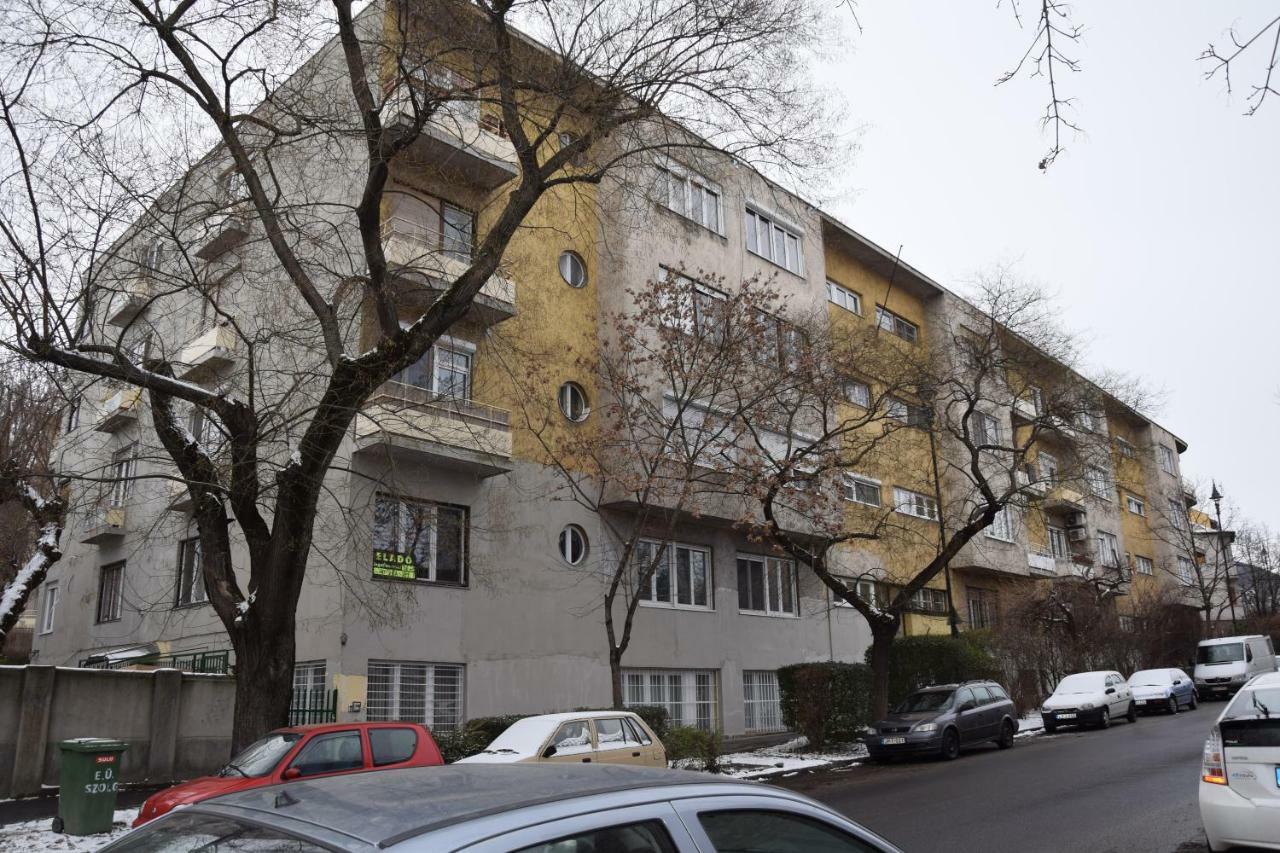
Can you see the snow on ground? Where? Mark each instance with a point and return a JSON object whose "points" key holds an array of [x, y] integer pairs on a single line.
{"points": [[1031, 724], [35, 835], [783, 759]]}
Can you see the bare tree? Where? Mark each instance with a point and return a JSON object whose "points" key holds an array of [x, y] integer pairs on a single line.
{"points": [[238, 165], [1221, 61], [1201, 563]]}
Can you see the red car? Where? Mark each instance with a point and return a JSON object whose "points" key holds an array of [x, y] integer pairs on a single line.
{"points": [[303, 752]]}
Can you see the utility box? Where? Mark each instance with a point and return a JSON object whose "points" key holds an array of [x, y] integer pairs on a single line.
{"points": [[88, 778]]}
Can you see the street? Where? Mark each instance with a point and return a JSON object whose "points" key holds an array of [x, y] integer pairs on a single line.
{"points": [[1130, 789]]}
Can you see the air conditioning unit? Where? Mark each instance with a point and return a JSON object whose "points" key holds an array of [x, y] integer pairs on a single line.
{"points": [[1075, 519], [1078, 534]]}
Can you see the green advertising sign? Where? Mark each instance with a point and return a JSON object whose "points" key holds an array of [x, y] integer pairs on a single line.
{"points": [[392, 564]]}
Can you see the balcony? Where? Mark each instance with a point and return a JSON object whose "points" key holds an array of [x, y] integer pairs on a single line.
{"points": [[1024, 410], [105, 527], [1035, 487], [1043, 562], [412, 423], [222, 232], [455, 141], [1062, 499], [410, 257], [212, 351], [119, 410], [179, 497], [127, 303]]}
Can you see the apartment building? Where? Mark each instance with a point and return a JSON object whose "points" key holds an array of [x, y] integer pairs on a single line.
{"points": [[445, 582]]}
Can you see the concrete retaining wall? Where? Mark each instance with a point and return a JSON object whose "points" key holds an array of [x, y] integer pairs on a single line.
{"points": [[177, 724]]}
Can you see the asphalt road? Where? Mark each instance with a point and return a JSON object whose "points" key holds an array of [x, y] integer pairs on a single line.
{"points": [[1130, 789]]}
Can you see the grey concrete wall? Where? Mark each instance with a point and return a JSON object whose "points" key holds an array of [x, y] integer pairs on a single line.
{"points": [[176, 724]]}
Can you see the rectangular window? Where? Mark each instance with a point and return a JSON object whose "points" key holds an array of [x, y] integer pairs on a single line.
{"points": [[773, 242], [761, 701], [913, 503], [1003, 526], [928, 600], [1059, 546], [982, 608], [190, 573], [681, 577], [123, 463], [844, 297], [427, 693], [48, 607], [986, 429], [431, 223], [691, 696], [693, 307], [1088, 421], [444, 370], [868, 590], [110, 591], [691, 195], [858, 393], [860, 489], [418, 540], [1125, 448], [896, 324], [911, 415], [1048, 465], [767, 585], [1099, 481], [1178, 515], [1134, 505], [1186, 570], [1127, 623], [1164, 456], [1108, 550], [1145, 566], [309, 677]]}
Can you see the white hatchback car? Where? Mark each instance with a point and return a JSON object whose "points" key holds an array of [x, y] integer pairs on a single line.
{"points": [[1240, 779], [1089, 698]]}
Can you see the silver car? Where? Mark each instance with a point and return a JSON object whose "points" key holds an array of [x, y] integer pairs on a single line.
{"points": [[529, 808]]}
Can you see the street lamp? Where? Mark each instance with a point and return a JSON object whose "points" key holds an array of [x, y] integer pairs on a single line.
{"points": [[1216, 497]]}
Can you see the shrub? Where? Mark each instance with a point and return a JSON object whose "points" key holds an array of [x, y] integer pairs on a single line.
{"points": [[826, 702], [690, 742], [655, 717], [491, 727], [916, 662], [460, 743]]}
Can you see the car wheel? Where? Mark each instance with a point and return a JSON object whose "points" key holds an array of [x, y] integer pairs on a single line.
{"points": [[56, 825], [1191, 706], [1104, 721], [950, 745], [1006, 735], [1173, 704], [1132, 716]]}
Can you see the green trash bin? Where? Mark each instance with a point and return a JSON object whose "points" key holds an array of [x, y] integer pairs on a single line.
{"points": [[88, 778]]}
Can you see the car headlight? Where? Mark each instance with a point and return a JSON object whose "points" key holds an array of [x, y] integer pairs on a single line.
{"points": [[1240, 677], [1087, 706], [926, 727]]}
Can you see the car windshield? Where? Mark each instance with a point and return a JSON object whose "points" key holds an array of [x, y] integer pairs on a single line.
{"points": [[1151, 678], [199, 833], [1263, 703], [926, 700], [261, 757], [1085, 682], [1220, 653]]}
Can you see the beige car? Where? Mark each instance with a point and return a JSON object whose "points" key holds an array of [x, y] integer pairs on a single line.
{"points": [[585, 737]]}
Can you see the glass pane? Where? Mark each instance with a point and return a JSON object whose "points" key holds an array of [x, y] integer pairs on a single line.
{"points": [[684, 580], [390, 746], [757, 586], [785, 573], [330, 754], [572, 737], [779, 246], [647, 837], [744, 585], [458, 227], [752, 243], [698, 561], [183, 832], [451, 534], [662, 577]]}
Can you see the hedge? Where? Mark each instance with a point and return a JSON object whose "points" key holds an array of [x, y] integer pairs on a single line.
{"points": [[916, 662], [826, 702], [690, 742]]}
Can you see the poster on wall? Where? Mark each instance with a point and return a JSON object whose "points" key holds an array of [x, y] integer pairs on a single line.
{"points": [[393, 564]]}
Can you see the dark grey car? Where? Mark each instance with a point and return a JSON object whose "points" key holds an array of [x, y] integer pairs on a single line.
{"points": [[507, 808], [941, 719]]}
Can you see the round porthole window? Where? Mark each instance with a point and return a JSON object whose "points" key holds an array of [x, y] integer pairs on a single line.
{"points": [[573, 544], [573, 402], [573, 270]]}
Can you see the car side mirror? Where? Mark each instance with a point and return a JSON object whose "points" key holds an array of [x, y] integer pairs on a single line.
{"points": [[1177, 681], [1110, 690], [292, 773], [549, 751], [967, 706]]}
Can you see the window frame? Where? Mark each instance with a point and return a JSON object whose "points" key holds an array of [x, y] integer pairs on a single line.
{"points": [[673, 174], [756, 219], [196, 575], [403, 508], [110, 607], [1108, 545], [569, 256], [430, 671], [850, 479], [757, 708], [670, 559], [838, 295], [983, 604], [1056, 533], [414, 230], [1100, 482], [564, 401], [865, 401], [689, 689], [564, 543], [903, 497], [429, 366], [897, 325], [1165, 460], [773, 594], [1144, 565], [1004, 527], [124, 467], [49, 596], [1130, 501]]}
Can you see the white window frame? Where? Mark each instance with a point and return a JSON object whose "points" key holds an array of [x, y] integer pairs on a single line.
{"points": [[429, 364], [987, 429], [929, 599], [124, 464], [670, 557], [908, 413], [1099, 481], [564, 401], [49, 607], [897, 325], [1109, 550], [198, 593], [857, 393], [777, 575], [1144, 565], [868, 589], [1186, 570], [1126, 448], [310, 676], [1178, 514], [843, 297], [1127, 623], [1004, 527], [914, 504], [761, 701], [430, 673], [756, 220], [1135, 505], [849, 483], [404, 522], [691, 696], [1058, 537], [1164, 458], [1047, 465], [679, 180], [982, 603]]}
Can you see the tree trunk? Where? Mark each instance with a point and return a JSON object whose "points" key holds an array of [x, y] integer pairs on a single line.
{"points": [[615, 678], [264, 681], [881, 642]]}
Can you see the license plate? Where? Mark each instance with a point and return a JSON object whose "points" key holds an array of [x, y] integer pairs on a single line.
{"points": [[892, 741], [1066, 716], [1142, 701]]}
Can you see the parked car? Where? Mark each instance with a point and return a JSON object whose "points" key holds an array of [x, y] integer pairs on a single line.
{"points": [[1163, 690], [586, 737], [1225, 664], [1240, 776], [532, 808], [1089, 698], [301, 752], [939, 720]]}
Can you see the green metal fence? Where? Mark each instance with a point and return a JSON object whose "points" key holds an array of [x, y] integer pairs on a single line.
{"points": [[313, 706], [208, 662]]}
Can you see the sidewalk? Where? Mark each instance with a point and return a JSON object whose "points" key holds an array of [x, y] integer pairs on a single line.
{"points": [[45, 806], [33, 835]]}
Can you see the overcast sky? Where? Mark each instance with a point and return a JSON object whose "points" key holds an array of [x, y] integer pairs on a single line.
{"points": [[1158, 229]]}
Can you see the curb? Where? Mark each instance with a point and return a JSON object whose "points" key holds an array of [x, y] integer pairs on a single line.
{"points": [[779, 772]]}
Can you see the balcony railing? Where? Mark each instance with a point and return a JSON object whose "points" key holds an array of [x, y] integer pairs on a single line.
{"points": [[105, 526], [215, 349], [1042, 561], [413, 257], [119, 410], [455, 139], [412, 421], [125, 304]]}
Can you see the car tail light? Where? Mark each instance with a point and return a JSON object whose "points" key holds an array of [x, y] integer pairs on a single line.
{"points": [[1213, 769]]}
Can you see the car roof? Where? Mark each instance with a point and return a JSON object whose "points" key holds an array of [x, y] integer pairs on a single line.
{"points": [[565, 716], [390, 806], [307, 728], [1217, 641]]}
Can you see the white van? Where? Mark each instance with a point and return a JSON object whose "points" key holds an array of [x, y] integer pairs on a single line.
{"points": [[1225, 664]]}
